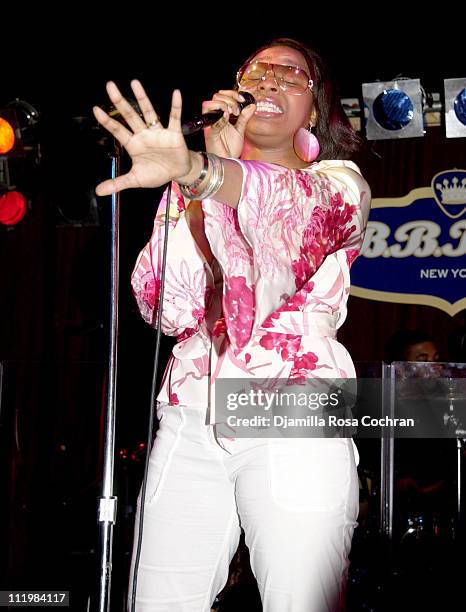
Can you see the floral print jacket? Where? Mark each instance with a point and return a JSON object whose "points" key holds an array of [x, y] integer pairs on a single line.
{"points": [[271, 303]]}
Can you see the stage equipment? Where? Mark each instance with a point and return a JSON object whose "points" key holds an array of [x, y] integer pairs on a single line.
{"points": [[455, 108], [393, 109]]}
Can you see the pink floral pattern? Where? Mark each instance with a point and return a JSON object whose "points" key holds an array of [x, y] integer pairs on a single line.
{"points": [[304, 182], [180, 203], [351, 255], [185, 334], [303, 365], [238, 307], [284, 344], [220, 327], [150, 292], [174, 401], [284, 257]]}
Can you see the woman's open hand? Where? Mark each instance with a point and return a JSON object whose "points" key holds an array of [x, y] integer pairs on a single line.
{"points": [[158, 154], [223, 138]]}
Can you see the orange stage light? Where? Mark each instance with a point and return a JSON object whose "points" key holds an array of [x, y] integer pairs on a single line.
{"points": [[7, 136]]}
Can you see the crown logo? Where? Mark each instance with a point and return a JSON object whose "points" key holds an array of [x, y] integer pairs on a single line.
{"points": [[449, 191], [452, 192]]}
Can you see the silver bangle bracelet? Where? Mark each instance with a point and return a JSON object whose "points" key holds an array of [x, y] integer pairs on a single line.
{"points": [[214, 183], [193, 187]]}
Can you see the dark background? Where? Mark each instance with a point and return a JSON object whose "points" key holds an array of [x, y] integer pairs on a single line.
{"points": [[60, 61], [54, 265]]}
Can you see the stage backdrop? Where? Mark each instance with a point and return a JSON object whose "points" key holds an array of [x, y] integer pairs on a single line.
{"points": [[411, 271]]}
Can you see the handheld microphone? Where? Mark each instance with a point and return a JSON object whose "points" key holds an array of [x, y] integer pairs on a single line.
{"points": [[202, 121]]}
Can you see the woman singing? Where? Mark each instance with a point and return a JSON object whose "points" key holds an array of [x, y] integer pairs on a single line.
{"points": [[263, 231]]}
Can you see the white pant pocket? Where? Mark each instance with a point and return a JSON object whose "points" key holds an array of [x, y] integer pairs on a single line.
{"points": [[312, 474], [171, 421]]}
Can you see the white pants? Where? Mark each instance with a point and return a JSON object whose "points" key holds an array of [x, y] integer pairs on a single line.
{"points": [[296, 499]]}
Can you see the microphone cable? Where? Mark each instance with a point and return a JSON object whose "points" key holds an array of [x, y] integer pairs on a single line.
{"points": [[152, 401], [187, 128]]}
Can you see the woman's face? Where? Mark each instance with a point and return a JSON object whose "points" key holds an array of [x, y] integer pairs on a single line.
{"points": [[279, 114]]}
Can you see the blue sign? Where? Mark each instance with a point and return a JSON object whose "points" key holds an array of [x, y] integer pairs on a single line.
{"points": [[414, 250]]}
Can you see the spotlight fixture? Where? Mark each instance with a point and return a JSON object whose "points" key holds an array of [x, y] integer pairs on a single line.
{"points": [[13, 204], [17, 121], [13, 207], [16, 139], [10, 134], [455, 108], [28, 119], [393, 109]]}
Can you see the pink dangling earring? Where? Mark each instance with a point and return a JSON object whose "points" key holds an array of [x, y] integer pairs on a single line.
{"points": [[306, 145]]}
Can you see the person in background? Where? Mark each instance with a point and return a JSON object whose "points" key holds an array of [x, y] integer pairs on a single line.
{"points": [[423, 467], [411, 345]]}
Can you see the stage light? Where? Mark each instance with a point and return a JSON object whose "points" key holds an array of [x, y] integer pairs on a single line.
{"points": [[17, 140], [393, 109], [7, 136], [17, 122], [455, 108], [10, 135], [28, 116], [13, 207]]}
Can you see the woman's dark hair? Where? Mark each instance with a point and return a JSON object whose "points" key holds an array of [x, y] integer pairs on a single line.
{"points": [[337, 138]]}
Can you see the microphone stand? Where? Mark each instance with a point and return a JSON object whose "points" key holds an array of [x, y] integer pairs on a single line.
{"points": [[107, 508]]}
